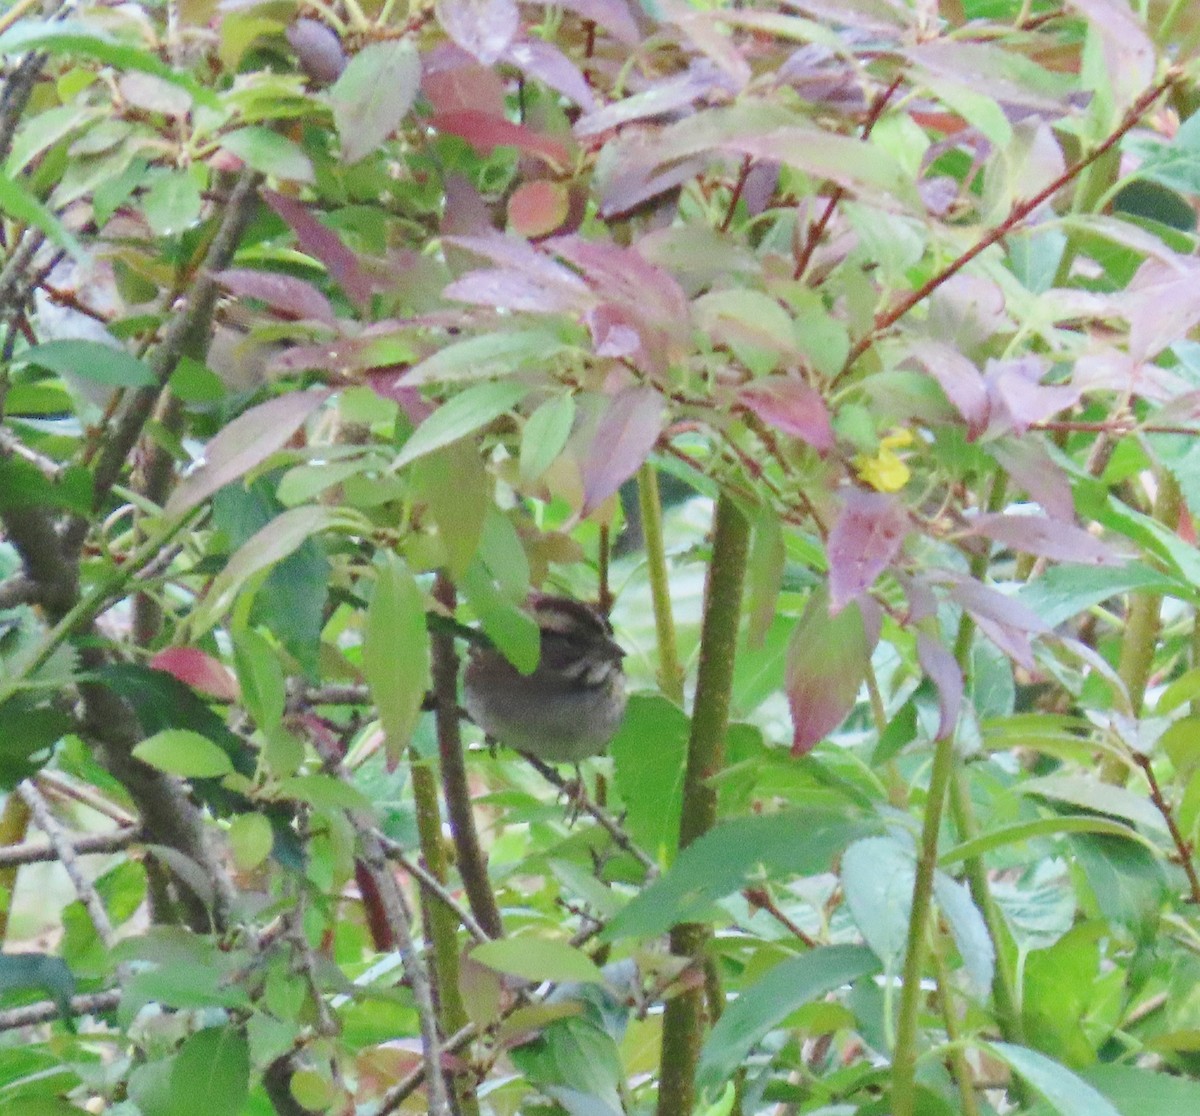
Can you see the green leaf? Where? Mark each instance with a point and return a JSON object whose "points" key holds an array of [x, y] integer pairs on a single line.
{"points": [[1067, 1094], [28, 724], [42, 972], [765, 1004], [1092, 793], [250, 840], [269, 153], [77, 37], [173, 203], [325, 792], [90, 360], [650, 779], [373, 94], [544, 436], [486, 357], [1142, 1092], [395, 657], [967, 927], [877, 878], [798, 842], [513, 631], [462, 415], [211, 1074], [1064, 591], [260, 677], [18, 203], [1029, 831], [279, 538], [537, 959], [184, 753]]}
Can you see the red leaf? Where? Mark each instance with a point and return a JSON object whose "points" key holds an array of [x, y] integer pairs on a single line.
{"points": [[324, 244], [789, 404], [485, 132], [623, 440], [199, 670], [536, 209], [944, 672], [452, 82], [291, 296], [868, 534], [827, 662]]}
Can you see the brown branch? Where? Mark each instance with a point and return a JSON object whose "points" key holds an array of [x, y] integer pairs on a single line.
{"points": [[736, 196], [1019, 212], [472, 863], [45, 1011], [1183, 848]]}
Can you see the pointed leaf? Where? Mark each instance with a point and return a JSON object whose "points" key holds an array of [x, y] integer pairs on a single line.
{"points": [[246, 442], [464, 414], [373, 95], [197, 669], [867, 535], [1047, 538], [101, 363], [625, 435], [877, 878], [185, 753], [789, 404], [943, 670], [537, 959], [1067, 1094]]}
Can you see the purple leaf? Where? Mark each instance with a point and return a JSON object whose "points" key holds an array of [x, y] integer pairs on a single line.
{"points": [[1047, 538], [959, 379], [526, 280], [944, 672], [318, 50], [662, 97], [292, 297], [483, 28], [613, 15], [1161, 305], [623, 440], [315, 239], [241, 445], [789, 404], [868, 534], [1018, 397], [1006, 621], [452, 81], [1129, 53], [826, 664], [1028, 462], [613, 335], [548, 64]]}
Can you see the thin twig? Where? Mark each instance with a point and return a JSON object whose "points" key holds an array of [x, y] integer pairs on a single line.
{"points": [[394, 851], [65, 852], [1182, 848], [40, 852], [605, 821], [46, 1011]]}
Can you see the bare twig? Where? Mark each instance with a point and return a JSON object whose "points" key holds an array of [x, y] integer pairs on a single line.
{"points": [[17, 590], [65, 852], [1183, 849], [601, 817], [394, 851], [39, 852], [46, 1011]]}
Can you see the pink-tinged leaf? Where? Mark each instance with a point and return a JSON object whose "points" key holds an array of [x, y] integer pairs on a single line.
{"points": [[623, 440], [959, 379], [199, 670], [485, 132], [790, 405], [318, 50], [1028, 463], [625, 276], [1006, 621], [454, 81], [315, 239], [967, 311], [701, 79], [294, 298], [1047, 538], [709, 37], [613, 333], [546, 63], [1110, 370], [922, 601], [483, 28], [940, 666], [1161, 306], [527, 279], [613, 15], [246, 442], [536, 209], [1129, 54], [868, 534], [390, 385], [826, 663], [1018, 397]]}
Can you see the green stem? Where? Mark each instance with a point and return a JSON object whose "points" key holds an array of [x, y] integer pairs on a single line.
{"points": [[14, 824], [1142, 625], [683, 1022], [670, 670], [960, 1067]]}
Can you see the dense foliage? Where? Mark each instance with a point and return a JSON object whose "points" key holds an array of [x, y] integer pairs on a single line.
{"points": [[842, 350]]}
